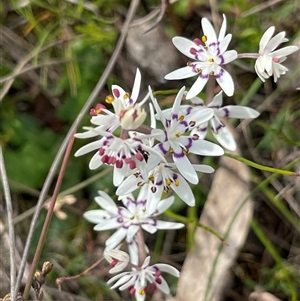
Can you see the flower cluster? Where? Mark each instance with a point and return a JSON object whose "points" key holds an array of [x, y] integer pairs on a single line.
{"points": [[153, 160]]}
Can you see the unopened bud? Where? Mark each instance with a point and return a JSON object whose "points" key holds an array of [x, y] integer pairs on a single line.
{"points": [[132, 117], [47, 267]]}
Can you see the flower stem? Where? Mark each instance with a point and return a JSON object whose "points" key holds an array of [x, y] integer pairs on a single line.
{"points": [[248, 55], [48, 219], [141, 246]]}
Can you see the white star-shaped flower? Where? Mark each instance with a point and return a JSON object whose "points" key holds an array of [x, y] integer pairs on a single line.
{"points": [[144, 279], [269, 60], [129, 218], [210, 56], [176, 139]]}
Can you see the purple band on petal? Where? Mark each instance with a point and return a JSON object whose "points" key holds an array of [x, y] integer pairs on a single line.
{"points": [[220, 74], [178, 155], [226, 112], [222, 59], [190, 143], [161, 147]]}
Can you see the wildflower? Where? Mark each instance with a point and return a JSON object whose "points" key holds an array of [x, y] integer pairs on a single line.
{"points": [[127, 112], [117, 259], [130, 218], [219, 130], [161, 179], [176, 141], [210, 55], [141, 280], [124, 154], [67, 199], [269, 60]]}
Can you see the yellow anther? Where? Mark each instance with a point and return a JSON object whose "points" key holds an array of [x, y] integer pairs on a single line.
{"points": [[177, 134], [190, 64], [212, 73], [204, 38], [176, 182], [142, 292], [109, 99], [171, 150], [198, 70], [169, 182], [211, 60], [126, 95], [186, 152], [181, 118], [151, 178]]}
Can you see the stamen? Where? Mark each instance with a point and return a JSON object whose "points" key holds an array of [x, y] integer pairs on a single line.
{"points": [[212, 73], [198, 70], [177, 182], [168, 182], [204, 38], [181, 118], [109, 98], [211, 60], [177, 134], [275, 59], [126, 95]]}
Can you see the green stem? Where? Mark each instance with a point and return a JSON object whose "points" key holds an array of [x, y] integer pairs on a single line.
{"points": [[262, 167]]}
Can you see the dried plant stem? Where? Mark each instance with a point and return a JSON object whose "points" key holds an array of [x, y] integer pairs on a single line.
{"points": [[48, 218], [11, 231], [60, 280], [84, 110]]}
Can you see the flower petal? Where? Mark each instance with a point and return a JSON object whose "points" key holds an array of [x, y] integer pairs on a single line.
{"points": [[184, 45], [240, 112], [181, 73], [197, 87], [206, 148], [226, 83]]}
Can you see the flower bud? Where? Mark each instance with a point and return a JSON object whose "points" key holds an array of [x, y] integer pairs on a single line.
{"points": [[132, 117], [118, 260]]}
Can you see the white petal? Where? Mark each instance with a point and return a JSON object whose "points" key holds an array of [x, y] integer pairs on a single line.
{"points": [[226, 83], [136, 85], [168, 269], [163, 286], [149, 228], [95, 161], [275, 41], [203, 168], [229, 56], [106, 202], [265, 39], [89, 147], [223, 29], [240, 112], [197, 87], [208, 31], [184, 45], [164, 204], [96, 216], [184, 191], [217, 100], [107, 225], [181, 73], [116, 238], [284, 51], [206, 148], [177, 102], [186, 169], [119, 174], [163, 225], [225, 138], [128, 185]]}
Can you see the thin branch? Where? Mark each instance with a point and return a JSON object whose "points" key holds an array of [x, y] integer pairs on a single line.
{"points": [[22, 63], [84, 110], [11, 231], [60, 280], [48, 218]]}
